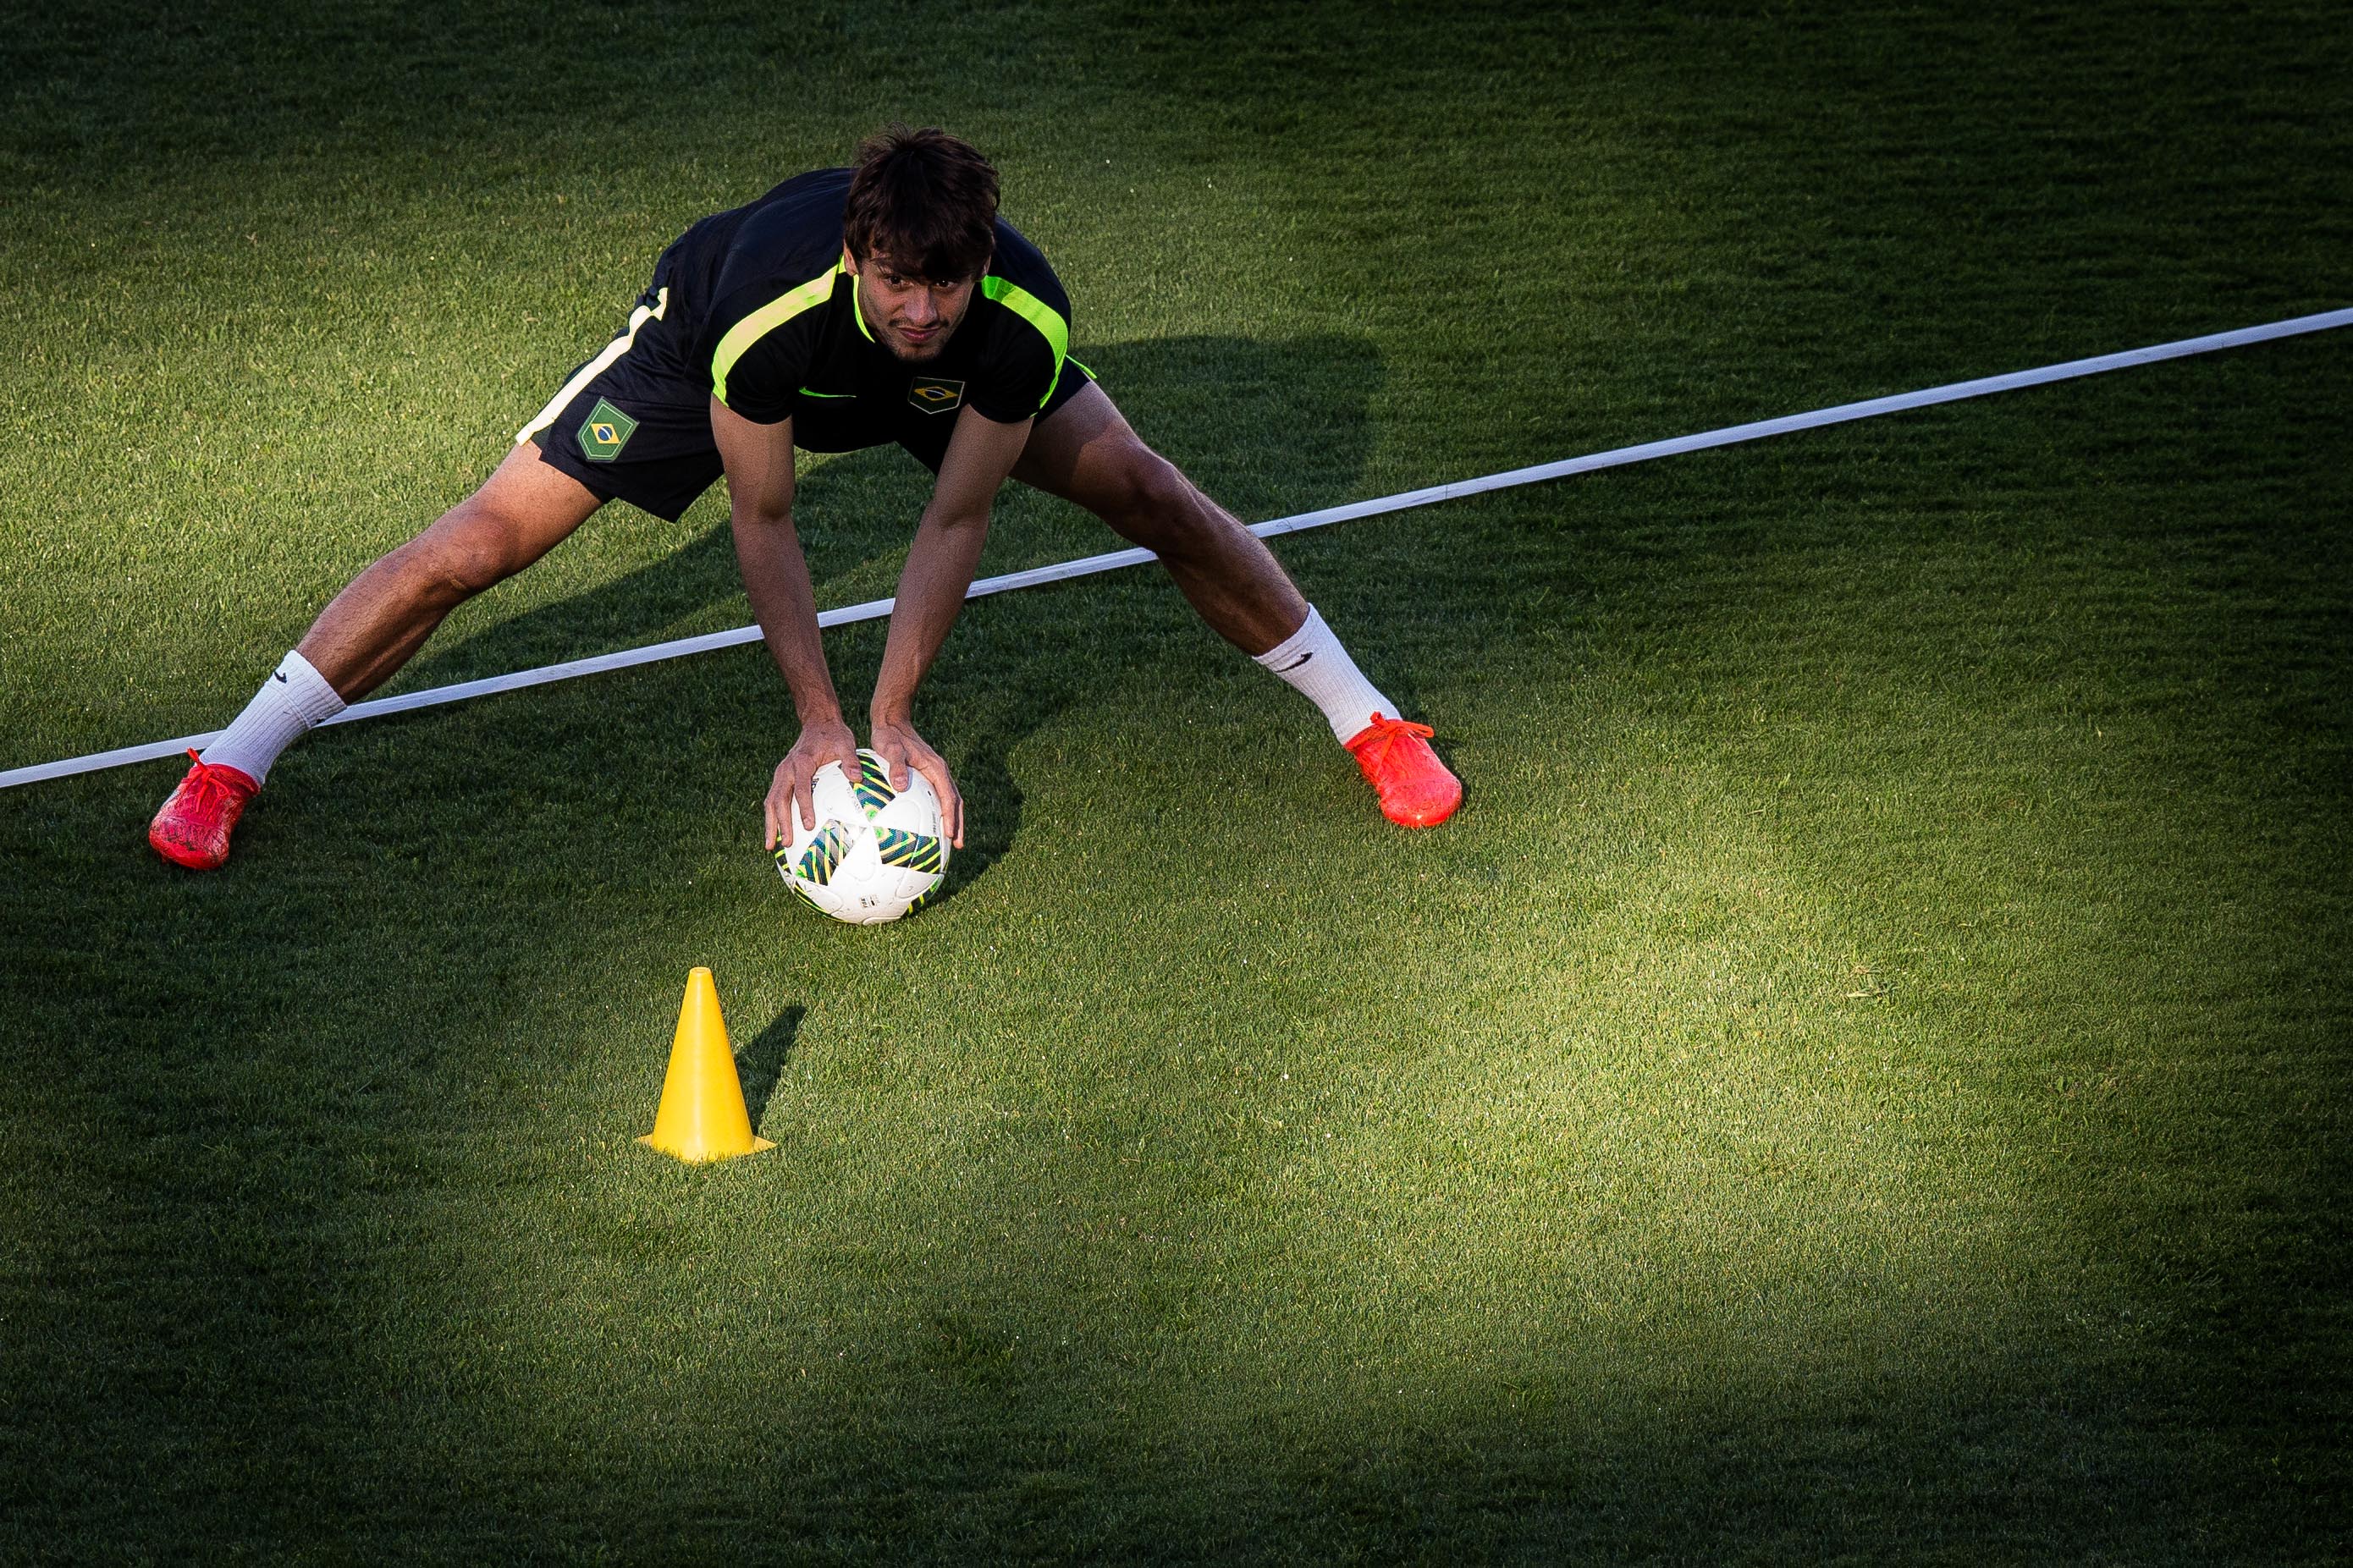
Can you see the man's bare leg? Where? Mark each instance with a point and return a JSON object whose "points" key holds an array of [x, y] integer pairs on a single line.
{"points": [[370, 629], [524, 509], [1086, 453]]}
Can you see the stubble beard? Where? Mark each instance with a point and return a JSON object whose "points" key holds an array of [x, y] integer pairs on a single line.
{"points": [[907, 353]]}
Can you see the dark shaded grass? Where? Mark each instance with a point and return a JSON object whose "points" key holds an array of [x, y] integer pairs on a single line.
{"points": [[1863, 1079]]}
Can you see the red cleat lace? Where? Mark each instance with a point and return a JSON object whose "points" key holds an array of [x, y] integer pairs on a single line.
{"points": [[1416, 789], [192, 829]]}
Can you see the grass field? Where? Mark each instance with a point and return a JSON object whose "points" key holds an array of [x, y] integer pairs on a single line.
{"points": [[1864, 1078]]}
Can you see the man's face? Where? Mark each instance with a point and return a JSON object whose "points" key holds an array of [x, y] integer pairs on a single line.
{"points": [[913, 317]]}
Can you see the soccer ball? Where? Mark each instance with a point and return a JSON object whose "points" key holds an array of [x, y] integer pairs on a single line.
{"points": [[875, 852]]}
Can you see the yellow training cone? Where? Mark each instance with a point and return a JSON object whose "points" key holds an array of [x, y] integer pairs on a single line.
{"points": [[703, 1115]]}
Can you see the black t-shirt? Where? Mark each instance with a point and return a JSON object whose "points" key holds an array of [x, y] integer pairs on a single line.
{"points": [[775, 321]]}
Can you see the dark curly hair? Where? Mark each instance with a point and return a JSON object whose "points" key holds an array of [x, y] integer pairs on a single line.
{"points": [[925, 200]]}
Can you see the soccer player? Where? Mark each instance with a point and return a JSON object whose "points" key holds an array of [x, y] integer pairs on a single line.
{"points": [[848, 308]]}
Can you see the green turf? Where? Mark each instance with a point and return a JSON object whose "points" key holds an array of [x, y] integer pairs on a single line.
{"points": [[1865, 1077]]}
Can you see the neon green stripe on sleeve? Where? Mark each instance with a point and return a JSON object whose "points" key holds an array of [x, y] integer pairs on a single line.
{"points": [[764, 321], [1039, 314]]}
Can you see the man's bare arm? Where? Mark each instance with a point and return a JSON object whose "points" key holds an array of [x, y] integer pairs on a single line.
{"points": [[759, 463], [940, 564]]}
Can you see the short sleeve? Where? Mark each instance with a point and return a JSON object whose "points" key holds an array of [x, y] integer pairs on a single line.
{"points": [[762, 345], [760, 384], [1026, 352]]}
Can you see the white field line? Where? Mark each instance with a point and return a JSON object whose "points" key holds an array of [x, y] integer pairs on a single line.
{"points": [[875, 609]]}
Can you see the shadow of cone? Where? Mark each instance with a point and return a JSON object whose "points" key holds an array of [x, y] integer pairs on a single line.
{"points": [[703, 1115]]}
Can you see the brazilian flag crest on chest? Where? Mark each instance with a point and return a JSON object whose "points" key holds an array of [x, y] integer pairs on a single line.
{"points": [[933, 395]]}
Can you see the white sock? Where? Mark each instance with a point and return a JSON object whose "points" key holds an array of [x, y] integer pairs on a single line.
{"points": [[1313, 662], [289, 703]]}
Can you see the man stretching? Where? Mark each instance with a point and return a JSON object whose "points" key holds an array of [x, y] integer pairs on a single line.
{"points": [[847, 308]]}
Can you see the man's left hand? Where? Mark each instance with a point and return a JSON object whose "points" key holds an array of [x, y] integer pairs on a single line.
{"points": [[896, 743]]}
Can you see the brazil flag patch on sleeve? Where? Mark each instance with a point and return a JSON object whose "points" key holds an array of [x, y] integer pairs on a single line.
{"points": [[605, 432]]}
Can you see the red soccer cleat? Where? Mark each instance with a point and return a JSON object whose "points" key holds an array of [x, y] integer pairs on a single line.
{"points": [[192, 829], [1415, 787]]}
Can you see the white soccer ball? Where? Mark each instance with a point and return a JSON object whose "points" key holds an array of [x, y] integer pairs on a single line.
{"points": [[875, 852]]}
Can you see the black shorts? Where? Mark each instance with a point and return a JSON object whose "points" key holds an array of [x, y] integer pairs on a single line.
{"points": [[634, 423]]}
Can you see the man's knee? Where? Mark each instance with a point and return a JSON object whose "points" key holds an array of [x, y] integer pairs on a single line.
{"points": [[471, 548], [1155, 504], [522, 510]]}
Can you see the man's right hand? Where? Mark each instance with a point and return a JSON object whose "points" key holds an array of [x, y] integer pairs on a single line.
{"points": [[789, 798]]}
